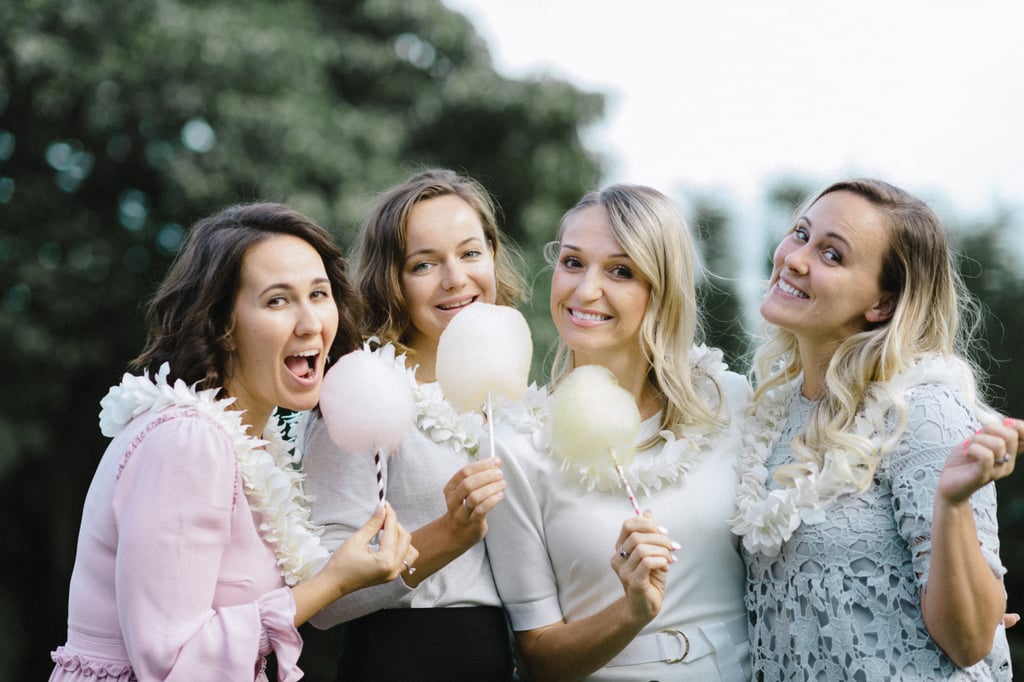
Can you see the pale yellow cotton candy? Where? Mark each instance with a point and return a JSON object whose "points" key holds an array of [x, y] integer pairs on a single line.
{"points": [[591, 414], [485, 350]]}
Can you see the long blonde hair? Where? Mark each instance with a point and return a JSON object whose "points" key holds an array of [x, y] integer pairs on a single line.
{"points": [[652, 231], [933, 315]]}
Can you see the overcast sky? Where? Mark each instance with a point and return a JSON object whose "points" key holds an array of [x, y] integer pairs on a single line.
{"points": [[725, 95]]}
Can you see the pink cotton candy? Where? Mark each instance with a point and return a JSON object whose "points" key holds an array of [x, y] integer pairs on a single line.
{"points": [[485, 350], [367, 403]]}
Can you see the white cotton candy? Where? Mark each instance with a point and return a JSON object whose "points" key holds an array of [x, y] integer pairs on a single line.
{"points": [[590, 414], [485, 349], [367, 403]]}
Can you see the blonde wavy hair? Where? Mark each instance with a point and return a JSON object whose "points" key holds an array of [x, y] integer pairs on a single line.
{"points": [[652, 231], [382, 245], [934, 314]]}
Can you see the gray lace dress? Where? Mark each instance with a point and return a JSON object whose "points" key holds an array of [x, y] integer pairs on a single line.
{"points": [[841, 600]]}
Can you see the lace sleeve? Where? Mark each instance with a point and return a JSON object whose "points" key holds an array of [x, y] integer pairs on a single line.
{"points": [[938, 419]]}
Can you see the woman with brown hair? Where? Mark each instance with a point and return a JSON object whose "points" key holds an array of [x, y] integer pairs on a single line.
{"points": [[196, 558]]}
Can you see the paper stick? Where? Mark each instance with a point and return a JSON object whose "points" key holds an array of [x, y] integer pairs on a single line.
{"points": [[380, 477], [625, 483]]}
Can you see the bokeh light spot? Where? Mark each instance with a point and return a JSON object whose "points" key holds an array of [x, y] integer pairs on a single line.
{"points": [[6, 145], [133, 208], [169, 238], [6, 189], [198, 136], [49, 255], [17, 298]]}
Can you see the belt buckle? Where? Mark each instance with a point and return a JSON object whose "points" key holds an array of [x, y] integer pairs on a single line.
{"points": [[685, 644]]}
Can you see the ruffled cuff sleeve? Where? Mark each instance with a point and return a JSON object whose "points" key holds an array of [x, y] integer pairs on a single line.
{"points": [[277, 617]]}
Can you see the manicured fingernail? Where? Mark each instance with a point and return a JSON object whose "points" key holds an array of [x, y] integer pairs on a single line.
{"points": [[676, 545], [663, 530], [1009, 421], [674, 558]]}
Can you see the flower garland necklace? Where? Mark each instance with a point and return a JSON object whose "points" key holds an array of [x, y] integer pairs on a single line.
{"points": [[271, 480], [767, 518], [435, 416]]}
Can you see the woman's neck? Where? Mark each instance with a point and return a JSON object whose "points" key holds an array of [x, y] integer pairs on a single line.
{"points": [[424, 357], [256, 423], [815, 361], [632, 375]]}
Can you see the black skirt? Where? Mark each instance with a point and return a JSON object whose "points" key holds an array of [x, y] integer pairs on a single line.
{"points": [[408, 645]]}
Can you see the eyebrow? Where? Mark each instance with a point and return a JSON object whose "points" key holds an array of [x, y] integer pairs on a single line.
{"points": [[421, 252], [284, 285], [828, 233], [612, 255]]}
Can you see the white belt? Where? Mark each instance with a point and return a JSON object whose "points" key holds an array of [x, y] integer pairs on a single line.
{"points": [[672, 645]]}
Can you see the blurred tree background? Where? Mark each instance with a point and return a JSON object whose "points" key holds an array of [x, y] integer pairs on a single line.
{"points": [[123, 123]]}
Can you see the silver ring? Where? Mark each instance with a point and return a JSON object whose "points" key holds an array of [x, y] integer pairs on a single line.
{"points": [[623, 553], [410, 569], [1004, 459]]}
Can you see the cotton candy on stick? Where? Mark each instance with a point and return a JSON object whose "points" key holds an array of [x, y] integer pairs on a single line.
{"points": [[368, 406], [484, 353], [590, 415]]}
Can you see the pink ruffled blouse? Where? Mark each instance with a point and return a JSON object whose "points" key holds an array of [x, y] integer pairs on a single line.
{"points": [[172, 580]]}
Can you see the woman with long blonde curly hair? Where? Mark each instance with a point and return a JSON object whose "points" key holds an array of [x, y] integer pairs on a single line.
{"points": [[866, 503]]}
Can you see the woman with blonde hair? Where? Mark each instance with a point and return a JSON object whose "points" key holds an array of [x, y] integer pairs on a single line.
{"points": [[623, 296], [866, 506], [430, 248]]}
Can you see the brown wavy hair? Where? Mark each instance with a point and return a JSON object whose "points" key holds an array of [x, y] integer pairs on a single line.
{"points": [[190, 315], [382, 245]]}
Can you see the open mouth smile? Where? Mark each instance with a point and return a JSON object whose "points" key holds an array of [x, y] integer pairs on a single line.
{"points": [[303, 364]]}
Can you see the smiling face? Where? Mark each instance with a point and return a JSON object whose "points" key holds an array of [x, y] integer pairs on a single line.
{"points": [[284, 322], [598, 298], [825, 283], [448, 265]]}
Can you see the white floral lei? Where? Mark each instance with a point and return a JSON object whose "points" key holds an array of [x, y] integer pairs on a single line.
{"points": [[767, 518], [272, 482], [435, 416], [645, 474]]}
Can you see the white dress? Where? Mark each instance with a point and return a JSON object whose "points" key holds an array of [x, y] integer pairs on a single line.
{"points": [[343, 491], [550, 542]]}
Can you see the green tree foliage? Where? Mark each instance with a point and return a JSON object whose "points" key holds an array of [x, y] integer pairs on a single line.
{"points": [[990, 266], [721, 308], [122, 123]]}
